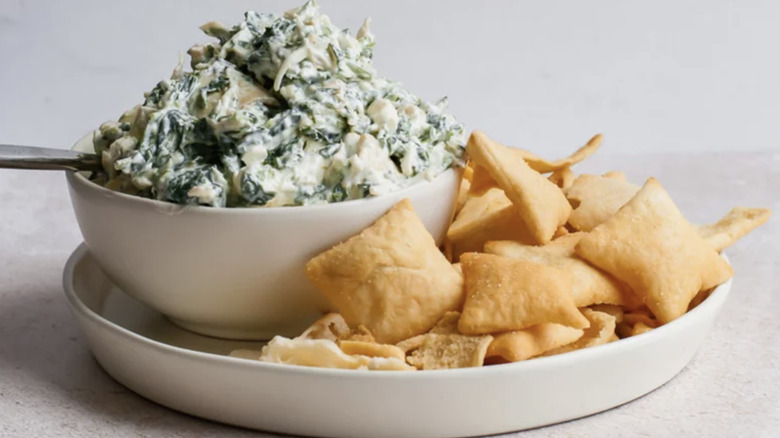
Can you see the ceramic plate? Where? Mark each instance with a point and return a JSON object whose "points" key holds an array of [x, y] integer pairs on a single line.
{"points": [[192, 374]]}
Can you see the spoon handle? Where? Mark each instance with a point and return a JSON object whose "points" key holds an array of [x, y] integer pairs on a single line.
{"points": [[30, 157]]}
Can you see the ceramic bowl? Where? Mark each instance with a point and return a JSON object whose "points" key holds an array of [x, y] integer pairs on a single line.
{"points": [[235, 273]]}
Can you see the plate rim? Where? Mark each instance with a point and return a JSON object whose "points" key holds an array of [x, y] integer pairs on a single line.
{"points": [[77, 305]]}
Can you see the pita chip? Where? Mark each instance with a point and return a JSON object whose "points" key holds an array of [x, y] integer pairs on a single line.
{"points": [[390, 278], [649, 245]]}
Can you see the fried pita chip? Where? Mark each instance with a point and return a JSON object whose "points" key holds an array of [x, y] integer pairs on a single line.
{"points": [[371, 349], [738, 222], [481, 182], [540, 203], [596, 198], [590, 286], [331, 327], [442, 351], [543, 166], [601, 331], [615, 174], [649, 245], [531, 342], [324, 354], [563, 178], [487, 217], [391, 277], [480, 212], [503, 294]]}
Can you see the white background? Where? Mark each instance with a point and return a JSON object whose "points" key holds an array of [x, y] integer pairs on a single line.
{"points": [[652, 76]]}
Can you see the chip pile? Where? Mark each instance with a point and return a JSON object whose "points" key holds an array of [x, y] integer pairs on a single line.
{"points": [[532, 266]]}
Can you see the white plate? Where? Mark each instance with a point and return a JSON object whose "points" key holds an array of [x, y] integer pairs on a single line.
{"points": [[190, 373]]}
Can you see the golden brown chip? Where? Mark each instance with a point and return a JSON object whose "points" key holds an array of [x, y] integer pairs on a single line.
{"points": [[531, 342], [441, 351], [391, 278], [543, 166], [540, 203], [649, 245], [481, 182], [503, 294], [738, 222], [331, 327], [615, 174], [563, 178], [478, 213], [601, 331], [370, 349], [483, 218], [596, 198], [324, 354], [590, 286]]}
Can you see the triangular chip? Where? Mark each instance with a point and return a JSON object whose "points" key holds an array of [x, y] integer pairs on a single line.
{"points": [[596, 199], [390, 278], [590, 286], [541, 165], [490, 216], [540, 203], [442, 351], [601, 331], [503, 294], [531, 342], [738, 222], [649, 245]]}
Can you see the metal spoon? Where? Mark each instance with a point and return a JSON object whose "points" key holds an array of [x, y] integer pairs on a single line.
{"points": [[29, 157]]}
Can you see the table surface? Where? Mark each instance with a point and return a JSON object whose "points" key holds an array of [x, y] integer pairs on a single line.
{"points": [[51, 386]]}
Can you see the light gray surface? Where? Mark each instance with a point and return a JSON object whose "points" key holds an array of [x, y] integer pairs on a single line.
{"points": [[657, 76], [51, 386]]}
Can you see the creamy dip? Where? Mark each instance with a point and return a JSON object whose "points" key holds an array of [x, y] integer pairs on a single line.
{"points": [[278, 111]]}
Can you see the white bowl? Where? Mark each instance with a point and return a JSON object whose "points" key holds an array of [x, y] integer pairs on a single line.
{"points": [[232, 273]]}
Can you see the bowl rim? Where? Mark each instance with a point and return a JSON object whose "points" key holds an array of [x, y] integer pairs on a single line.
{"points": [[81, 179]]}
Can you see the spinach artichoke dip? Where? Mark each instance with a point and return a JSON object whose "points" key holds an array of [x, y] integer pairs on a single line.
{"points": [[279, 111]]}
